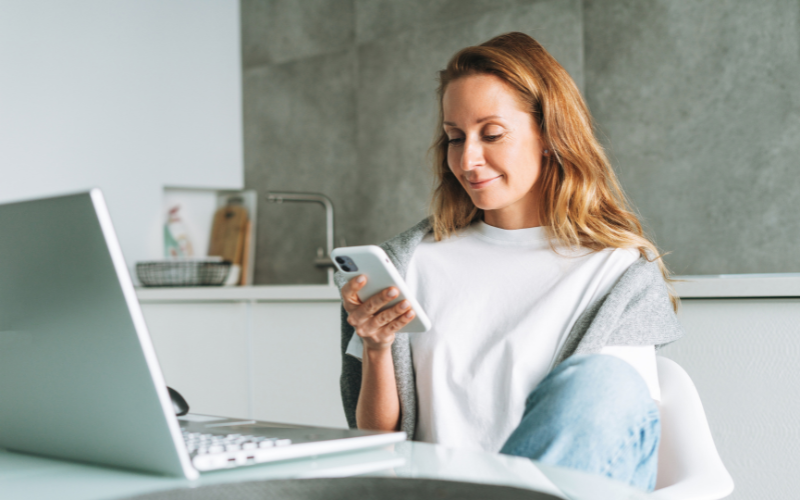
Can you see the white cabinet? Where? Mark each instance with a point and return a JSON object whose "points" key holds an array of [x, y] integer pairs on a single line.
{"points": [[741, 349], [296, 363], [269, 353], [202, 350]]}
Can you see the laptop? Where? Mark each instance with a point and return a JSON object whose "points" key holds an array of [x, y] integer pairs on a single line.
{"points": [[79, 378]]}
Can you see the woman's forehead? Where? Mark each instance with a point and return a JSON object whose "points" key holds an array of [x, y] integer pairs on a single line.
{"points": [[476, 98]]}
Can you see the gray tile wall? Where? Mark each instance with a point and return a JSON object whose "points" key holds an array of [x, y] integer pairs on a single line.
{"points": [[696, 101], [339, 98], [699, 103]]}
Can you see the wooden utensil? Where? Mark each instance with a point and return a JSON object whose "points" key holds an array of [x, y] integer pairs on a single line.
{"points": [[228, 233], [247, 257]]}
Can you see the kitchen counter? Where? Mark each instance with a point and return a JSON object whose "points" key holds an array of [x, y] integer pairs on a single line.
{"points": [[738, 286], [257, 293], [688, 287]]}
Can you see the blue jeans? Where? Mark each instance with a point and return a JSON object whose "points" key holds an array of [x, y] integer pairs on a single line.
{"points": [[592, 413]]}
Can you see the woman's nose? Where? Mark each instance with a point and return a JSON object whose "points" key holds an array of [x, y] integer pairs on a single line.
{"points": [[472, 156]]}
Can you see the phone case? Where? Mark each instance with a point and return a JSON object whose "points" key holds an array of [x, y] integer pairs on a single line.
{"points": [[373, 262]]}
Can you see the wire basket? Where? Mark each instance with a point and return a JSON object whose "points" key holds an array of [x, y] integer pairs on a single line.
{"points": [[182, 272]]}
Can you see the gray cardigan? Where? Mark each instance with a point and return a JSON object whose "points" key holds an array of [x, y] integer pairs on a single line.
{"points": [[636, 311]]}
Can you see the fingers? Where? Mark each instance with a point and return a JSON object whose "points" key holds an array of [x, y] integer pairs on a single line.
{"points": [[380, 330], [377, 301], [389, 315], [350, 291], [358, 314], [388, 321], [400, 322]]}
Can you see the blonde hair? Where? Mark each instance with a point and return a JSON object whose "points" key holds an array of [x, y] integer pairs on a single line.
{"points": [[582, 203]]}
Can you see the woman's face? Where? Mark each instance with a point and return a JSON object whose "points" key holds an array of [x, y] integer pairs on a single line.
{"points": [[494, 149]]}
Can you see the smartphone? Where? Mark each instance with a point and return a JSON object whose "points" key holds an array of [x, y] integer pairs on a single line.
{"points": [[373, 262]]}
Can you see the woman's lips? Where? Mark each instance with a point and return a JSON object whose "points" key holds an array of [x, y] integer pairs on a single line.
{"points": [[484, 183]]}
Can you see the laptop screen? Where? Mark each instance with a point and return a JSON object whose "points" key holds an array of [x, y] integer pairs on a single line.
{"points": [[78, 374]]}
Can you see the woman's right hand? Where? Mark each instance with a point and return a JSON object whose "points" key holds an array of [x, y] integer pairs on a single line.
{"points": [[376, 329]]}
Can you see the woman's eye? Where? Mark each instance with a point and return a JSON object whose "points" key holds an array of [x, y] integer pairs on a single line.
{"points": [[455, 140], [491, 138]]}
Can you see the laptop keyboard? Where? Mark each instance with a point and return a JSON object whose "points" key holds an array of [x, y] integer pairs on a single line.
{"points": [[216, 451]]}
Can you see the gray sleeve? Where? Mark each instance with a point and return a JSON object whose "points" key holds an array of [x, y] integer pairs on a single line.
{"points": [[636, 311], [350, 379], [399, 249]]}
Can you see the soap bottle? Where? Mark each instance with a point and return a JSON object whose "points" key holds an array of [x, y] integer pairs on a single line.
{"points": [[176, 238]]}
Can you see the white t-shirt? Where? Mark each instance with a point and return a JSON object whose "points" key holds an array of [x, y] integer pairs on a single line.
{"points": [[502, 303]]}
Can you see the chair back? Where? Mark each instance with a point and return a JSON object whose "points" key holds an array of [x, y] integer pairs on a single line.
{"points": [[689, 467]]}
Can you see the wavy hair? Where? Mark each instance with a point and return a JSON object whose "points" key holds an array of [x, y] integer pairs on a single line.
{"points": [[582, 203]]}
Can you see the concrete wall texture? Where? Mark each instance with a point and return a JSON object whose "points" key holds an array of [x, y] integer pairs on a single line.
{"points": [[699, 105], [695, 101], [339, 98]]}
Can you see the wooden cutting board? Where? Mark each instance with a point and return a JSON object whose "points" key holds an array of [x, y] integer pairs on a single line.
{"points": [[228, 233]]}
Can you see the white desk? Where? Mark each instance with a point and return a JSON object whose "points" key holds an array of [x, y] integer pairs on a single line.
{"points": [[31, 478]]}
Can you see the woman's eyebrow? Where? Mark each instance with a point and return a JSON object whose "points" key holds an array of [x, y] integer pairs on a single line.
{"points": [[477, 121]]}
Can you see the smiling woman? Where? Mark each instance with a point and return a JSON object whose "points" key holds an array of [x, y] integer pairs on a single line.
{"points": [[546, 299], [578, 196], [494, 150]]}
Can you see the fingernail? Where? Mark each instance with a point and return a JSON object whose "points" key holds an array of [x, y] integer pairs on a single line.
{"points": [[392, 293], [409, 314], [404, 304], [361, 279]]}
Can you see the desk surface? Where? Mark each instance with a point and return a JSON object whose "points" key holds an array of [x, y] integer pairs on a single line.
{"points": [[30, 477]]}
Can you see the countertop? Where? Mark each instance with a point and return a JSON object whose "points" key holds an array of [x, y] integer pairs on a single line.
{"points": [[688, 287]]}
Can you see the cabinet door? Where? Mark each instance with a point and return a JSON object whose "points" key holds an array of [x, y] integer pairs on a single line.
{"points": [[202, 349], [742, 356], [296, 363]]}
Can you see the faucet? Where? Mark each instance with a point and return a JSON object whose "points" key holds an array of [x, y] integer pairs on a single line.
{"points": [[323, 258]]}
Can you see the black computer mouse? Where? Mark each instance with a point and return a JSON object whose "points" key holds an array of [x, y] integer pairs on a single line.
{"points": [[179, 404]]}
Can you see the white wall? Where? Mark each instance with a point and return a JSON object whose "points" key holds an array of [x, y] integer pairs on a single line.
{"points": [[125, 95]]}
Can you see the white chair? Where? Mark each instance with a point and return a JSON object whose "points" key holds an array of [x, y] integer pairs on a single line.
{"points": [[689, 467]]}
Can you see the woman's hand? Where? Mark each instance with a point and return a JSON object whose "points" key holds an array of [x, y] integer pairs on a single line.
{"points": [[376, 329]]}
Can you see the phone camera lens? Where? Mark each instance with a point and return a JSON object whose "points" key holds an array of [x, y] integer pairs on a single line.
{"points": [[345, 269], [340, 260]]}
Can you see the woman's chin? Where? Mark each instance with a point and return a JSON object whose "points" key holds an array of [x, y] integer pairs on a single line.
{"points": [[485, 203]]}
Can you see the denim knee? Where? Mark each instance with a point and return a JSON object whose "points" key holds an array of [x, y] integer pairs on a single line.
{"points": [[596, 382], [592, 413]]}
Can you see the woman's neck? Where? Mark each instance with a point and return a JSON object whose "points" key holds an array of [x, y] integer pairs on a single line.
{"points": [[513, 218]]}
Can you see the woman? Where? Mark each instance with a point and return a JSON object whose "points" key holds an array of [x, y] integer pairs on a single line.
{"points": [[547, 301]]}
